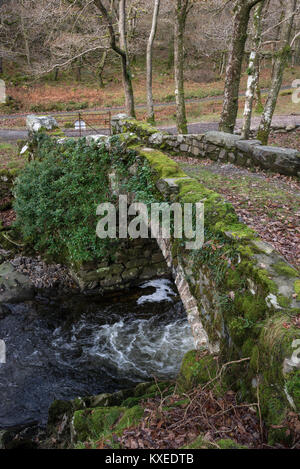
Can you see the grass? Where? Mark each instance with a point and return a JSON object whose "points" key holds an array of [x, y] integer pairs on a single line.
{"points": [[9, 156], [249, 187]]}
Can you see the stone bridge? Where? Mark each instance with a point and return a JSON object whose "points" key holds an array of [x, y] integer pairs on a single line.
{"points": [[240, 295]]}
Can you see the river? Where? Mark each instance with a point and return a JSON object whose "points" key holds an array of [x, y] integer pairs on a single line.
{"points": [[62, 347]]}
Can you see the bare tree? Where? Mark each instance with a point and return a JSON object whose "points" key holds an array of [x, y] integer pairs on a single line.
{"points": [[122, 52], [150, 106], [181, 12], [242, 9], [281, 58]]}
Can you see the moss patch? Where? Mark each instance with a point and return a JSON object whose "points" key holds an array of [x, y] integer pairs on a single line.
{"points": [[285, 270], [164, 166], [297, 288], [201, 443], [196, 370], [103, 422]]}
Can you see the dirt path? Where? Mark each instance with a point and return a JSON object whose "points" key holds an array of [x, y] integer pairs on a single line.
{"points": [[268, 204]]}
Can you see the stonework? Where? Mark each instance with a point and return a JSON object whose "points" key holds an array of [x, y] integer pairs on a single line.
{"points": [[218, 146], [134, 261]]}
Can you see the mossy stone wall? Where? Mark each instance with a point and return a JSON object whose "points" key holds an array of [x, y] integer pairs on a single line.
{"points": [[218, 146]]}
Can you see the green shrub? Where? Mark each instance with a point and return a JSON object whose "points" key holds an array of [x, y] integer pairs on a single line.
{"points": [[57, 196]]}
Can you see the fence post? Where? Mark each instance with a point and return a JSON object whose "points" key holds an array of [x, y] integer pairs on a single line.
{"points": [[109, 117], [79, 120]]}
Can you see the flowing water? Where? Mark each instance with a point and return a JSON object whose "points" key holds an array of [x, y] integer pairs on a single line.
{"points": [[64, 347]]}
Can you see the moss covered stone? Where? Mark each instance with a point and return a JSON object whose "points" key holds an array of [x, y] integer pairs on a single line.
{"points": [[282, 268], [164, 166], [103, 422], [297, 288]]}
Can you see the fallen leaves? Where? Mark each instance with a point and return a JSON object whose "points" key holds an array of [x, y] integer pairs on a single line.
{"points": [[176, 424], [269, 204]]}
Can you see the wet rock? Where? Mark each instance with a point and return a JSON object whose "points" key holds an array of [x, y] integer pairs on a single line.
{"points": [[14, 286]]}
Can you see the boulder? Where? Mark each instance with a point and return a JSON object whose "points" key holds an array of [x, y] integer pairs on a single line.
{"points": [[222, 139], [283, 160], [291, 128], [36, 123], [14, 286], [247, 145], [156, 139]]}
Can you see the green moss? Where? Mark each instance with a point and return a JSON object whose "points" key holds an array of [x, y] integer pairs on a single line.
{"points": [[297, 288], [293, 387], [164, 166], [284, 301], [58, 133], [236, 231], [246, 251], [252, 307], [263, 276], [274, 410], [254, 362], [196, 370], [142, 129], [285, 270], [233, 279], [201, 443], [229, 444], [102, 422], [130, 418], [248, 345]]}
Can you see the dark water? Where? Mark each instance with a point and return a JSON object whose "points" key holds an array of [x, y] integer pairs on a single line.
{"points": [[61, 348]]}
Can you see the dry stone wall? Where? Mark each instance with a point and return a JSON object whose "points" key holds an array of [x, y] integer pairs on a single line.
{"points": [[218, 146]]}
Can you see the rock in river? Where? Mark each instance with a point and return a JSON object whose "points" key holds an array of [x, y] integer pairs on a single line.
{"points": [[14, 286]]}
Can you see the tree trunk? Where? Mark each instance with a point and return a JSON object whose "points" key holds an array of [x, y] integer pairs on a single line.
{"points": [[1, 66], [280, 62], [78, 67], [179, 28], [235, 60], [122, 26], [150, 105], [126, 76], [253, 71], [101, 69], [126, 73], [25, 37]]}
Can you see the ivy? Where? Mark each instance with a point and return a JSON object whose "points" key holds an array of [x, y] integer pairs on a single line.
{"points": [[56, 197]]}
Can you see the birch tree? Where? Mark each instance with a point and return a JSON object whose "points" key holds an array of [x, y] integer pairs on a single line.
{"points": [[242, 9], [281, 58], [253, 69], [150, 105]]}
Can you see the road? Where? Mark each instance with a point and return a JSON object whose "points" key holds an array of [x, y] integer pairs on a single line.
{"points": [[194, 128]]}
